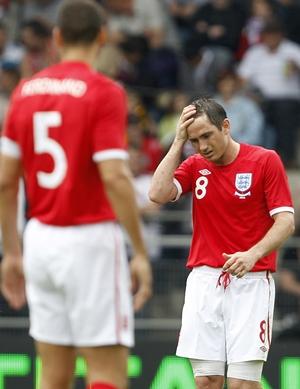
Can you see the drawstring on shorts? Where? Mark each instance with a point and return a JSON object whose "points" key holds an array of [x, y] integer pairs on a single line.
{"points": [[224, 279]]}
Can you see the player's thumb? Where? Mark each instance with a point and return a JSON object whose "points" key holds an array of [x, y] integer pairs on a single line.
{"points": [[226, 256]]}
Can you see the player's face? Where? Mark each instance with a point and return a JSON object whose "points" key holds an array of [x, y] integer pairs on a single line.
{"points": [[208, 140]]}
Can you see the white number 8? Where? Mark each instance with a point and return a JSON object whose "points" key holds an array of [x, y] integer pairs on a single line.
{"points": [[201, 184], [43, 144]]}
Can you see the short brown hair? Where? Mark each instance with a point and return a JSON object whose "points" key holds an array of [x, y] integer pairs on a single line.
{"points": [[209, 107], [80, 21]]}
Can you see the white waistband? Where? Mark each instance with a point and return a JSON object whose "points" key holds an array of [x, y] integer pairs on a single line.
{"points": [[216, 271]]}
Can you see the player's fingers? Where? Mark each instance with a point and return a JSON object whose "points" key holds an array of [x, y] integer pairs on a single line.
{"points": [[188, 112], [141, 297], [134, 282], [227, 265], [14, 294], [187, 122], [233, 269]]}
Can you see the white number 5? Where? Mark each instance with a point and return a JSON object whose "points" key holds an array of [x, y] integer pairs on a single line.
{"points": [[43, 144]]}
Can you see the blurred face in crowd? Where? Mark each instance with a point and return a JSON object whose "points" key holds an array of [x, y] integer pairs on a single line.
{"points": [[9, 79], [227, 86], [120, 6], [221, 4], [208, 140], [272, 39], [31, 41], [262, 8]]}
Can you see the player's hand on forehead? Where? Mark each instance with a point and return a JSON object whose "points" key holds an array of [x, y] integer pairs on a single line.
{"points": [[186, 118]]}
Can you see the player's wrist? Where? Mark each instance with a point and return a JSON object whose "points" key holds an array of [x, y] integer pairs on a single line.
{"points": [[256, 254], [179, 141]]}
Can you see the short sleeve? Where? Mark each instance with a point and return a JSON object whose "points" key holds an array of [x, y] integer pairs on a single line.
{"points": [[9, 140], [183, 176], [276, 186], [108, 123]]}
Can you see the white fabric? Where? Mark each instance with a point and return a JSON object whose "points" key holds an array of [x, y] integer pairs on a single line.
{"points": [[179, 189], [230, 324], [207, 368], [270, 71], [110, 154], [249, 371], [78, 286], [281, 209], [10, 148]]}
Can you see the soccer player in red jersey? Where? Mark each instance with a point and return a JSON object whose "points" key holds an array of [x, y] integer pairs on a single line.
{"points": [[65, 134], [242, 213]]}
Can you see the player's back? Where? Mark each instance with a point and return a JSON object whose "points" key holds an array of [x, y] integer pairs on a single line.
{"points": [[65, 119]]}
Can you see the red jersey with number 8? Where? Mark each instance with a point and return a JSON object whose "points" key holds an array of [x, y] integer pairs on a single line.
{"points": [[61, 123], [233, 205]]}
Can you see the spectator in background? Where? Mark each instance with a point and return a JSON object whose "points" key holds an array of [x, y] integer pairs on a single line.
{"points": [[45, 9], [145, 66], [218, 26], [141, 138], [289, 13], [36, 35], [9, 52], [4, 6], [134, 17], [9, 78], [182, 12], [273, 67], [65, 130], [260, 12], [147, 208], [199, 69], [246, 117]]}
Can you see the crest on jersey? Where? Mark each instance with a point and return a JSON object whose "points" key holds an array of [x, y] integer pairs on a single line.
{"points": [[243, 183]]}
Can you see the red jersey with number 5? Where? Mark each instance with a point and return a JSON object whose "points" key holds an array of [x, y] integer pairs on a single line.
{"points": [[233, 205], [61, 123]]}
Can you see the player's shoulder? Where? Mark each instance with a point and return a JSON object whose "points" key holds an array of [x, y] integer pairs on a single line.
{"points": [[100, 79], [258, 154], [75, 79], [196, 160]]}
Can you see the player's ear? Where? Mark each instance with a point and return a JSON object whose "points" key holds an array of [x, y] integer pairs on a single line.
{"points": [[226, 126], [57, 38], [102, 36]]}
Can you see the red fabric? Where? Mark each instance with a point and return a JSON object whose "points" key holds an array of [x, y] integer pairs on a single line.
{"points": [[233, 204], [79, 115], [99, 385]]}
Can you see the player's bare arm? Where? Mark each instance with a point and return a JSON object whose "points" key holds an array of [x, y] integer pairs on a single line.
{"points": [[116, 177], [240, 263], [12, 278], [162, 187]]}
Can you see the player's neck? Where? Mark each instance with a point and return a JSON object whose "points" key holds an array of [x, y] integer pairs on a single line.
{"points": [[79, 54], [230, 154]]}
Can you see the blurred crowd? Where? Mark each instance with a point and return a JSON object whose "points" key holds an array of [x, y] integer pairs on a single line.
{"points": [[245, 53]]}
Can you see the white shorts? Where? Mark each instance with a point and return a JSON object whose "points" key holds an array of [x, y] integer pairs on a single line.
{"points": [[78, 284], [230, 324]]}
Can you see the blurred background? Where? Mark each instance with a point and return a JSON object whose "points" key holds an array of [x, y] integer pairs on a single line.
{"points": [[246, 54]]}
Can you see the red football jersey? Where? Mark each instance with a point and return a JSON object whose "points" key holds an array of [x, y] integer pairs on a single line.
{"points": [[61, 123], [233, 204]]}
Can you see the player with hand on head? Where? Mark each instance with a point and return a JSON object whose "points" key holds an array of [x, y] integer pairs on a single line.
{"points": [[242, 213], [65, 134]]}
